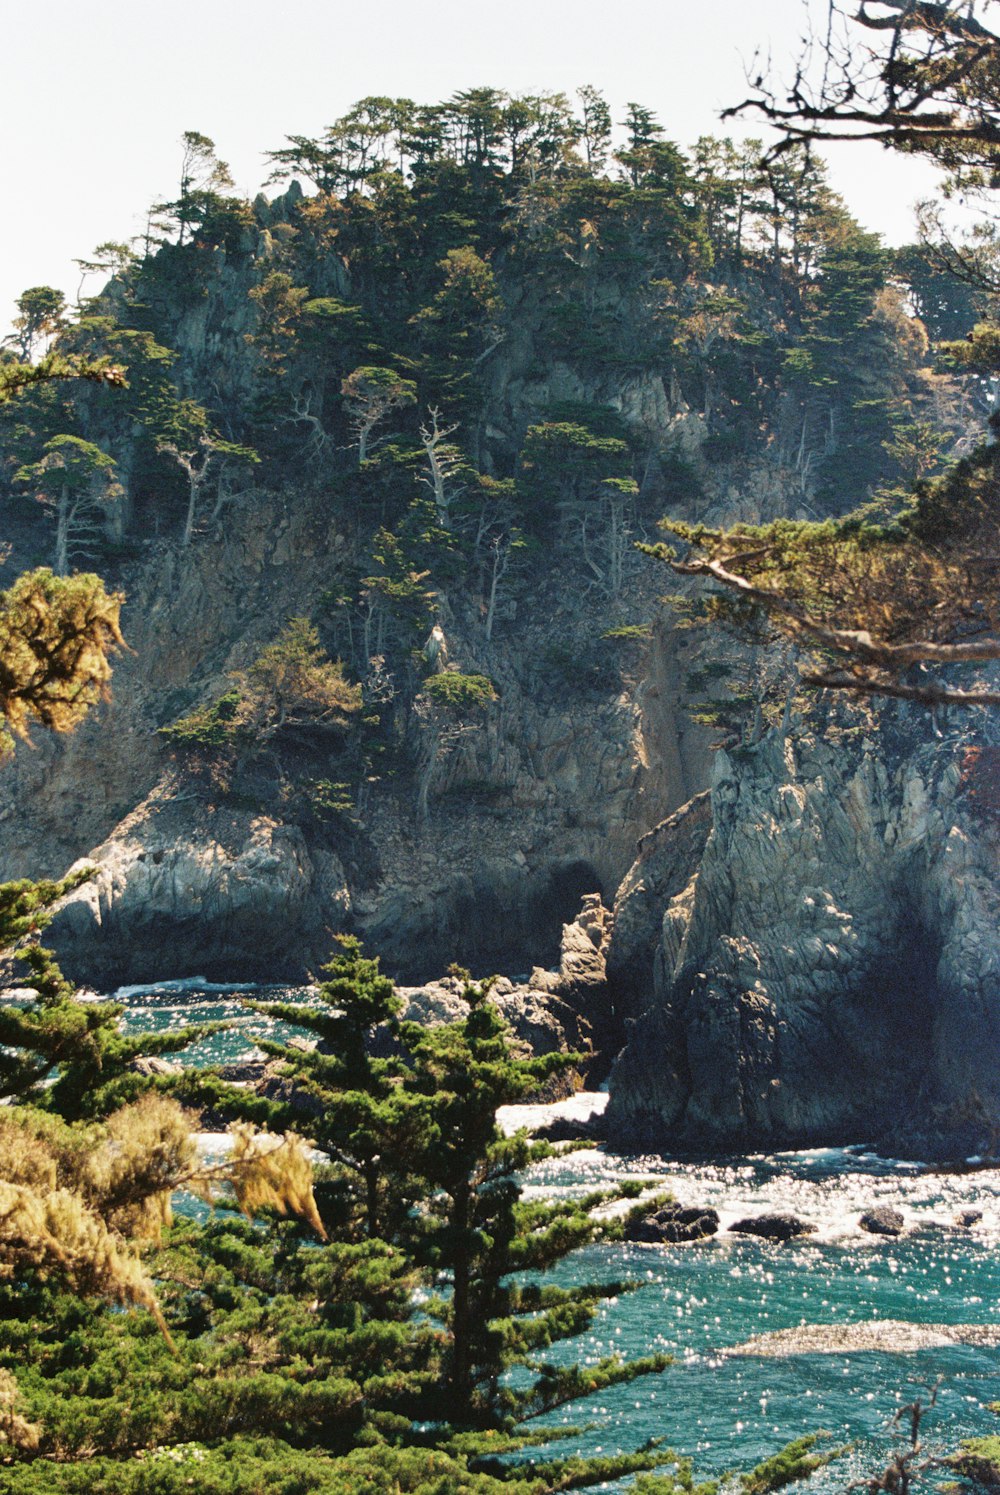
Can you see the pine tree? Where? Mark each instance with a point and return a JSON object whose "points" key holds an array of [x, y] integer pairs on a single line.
{"points": [[420, 1160]]}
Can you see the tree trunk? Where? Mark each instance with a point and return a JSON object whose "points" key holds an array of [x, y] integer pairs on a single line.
{"points": [[372, 1223], [461, 1369], [61, 566], [500, 559], [192, 508]]}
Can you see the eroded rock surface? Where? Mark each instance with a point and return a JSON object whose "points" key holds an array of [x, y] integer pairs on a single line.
{"points": [[224, 894], [832, 971]]}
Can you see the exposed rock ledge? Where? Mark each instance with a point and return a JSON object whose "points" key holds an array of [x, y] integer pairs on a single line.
{"points": [[832, 971], [237, 896], [891, 1336]]}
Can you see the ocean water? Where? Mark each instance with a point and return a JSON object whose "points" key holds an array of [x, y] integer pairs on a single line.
{"points": [[846, 1327]]}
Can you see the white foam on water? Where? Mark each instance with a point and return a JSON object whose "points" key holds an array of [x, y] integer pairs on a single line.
{"points": [[579, 1107]]}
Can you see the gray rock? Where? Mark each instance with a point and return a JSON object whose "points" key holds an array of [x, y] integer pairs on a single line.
{"points": [[559, 1011], [572, 1129], [152, 1065], [674, 1224], [832, 971], [883, 1220], [773, 1227], [181, 889], [667, 860], [968, 1218]]}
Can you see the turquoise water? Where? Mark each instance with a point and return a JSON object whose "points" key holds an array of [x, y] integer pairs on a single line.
{"points": [[697, 1302], [178, 1004]]}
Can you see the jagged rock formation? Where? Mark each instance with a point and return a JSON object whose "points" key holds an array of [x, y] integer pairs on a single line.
{"points": [[565, 1010], [832, 971], [667, 859], [674, 1224]]}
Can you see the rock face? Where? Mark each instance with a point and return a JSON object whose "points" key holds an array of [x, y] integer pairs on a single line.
{"points": [[560, 1011], [832, 972], [236, 891], [668, 857], [542, 804]]}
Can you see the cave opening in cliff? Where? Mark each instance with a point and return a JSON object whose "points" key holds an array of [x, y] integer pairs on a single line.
{"points": [[903, 1005], [504, 921]]}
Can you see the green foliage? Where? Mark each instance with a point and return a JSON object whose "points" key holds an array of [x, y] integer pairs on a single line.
{"points": [[208, 726], [873, 597], [24, 905], [15, 377], [458, 694], [68, 1056], [41, 312], [679, 1481], [794, 1462], [291, 686], [66, 460], [328, 800], [56, 636], [629, 632], [978, 1459]]}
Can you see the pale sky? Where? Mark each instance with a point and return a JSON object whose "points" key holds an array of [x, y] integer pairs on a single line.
{"points": [[96, 95]]}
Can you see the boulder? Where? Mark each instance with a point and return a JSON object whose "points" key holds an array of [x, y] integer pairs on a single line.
{"points": [[572, 1129], [151, 1066], [673, 1224], [773, 1227], [967, 1218], [882, 1220]]}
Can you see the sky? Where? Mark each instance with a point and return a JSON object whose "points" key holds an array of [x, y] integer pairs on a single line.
{"points": [[97, 95]]}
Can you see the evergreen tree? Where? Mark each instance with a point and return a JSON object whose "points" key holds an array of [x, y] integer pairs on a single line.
{"points": [[74, 478]]}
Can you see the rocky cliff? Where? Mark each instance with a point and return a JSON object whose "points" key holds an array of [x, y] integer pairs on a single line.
{"points": [[831, 973], [585, 748], [560, 372]]}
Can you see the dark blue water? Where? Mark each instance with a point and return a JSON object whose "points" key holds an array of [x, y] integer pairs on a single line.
{"points": [[699, 1302]]}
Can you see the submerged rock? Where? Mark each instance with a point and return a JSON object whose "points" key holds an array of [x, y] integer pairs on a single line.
{"points": [[883, 1220], [773, 1227]]}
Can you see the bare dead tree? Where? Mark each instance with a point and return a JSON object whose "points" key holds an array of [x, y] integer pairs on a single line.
{"points": [[443, 460], [907, 1464], [317, 439], [929, 83]]}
